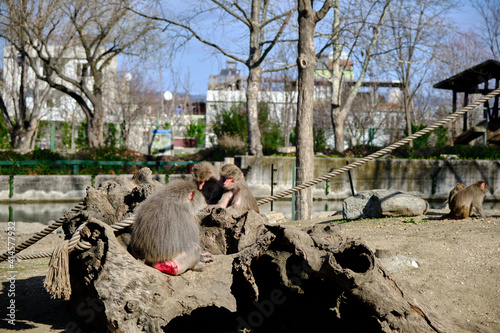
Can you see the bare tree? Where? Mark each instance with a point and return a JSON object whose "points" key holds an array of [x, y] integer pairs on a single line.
{"points": [[22, 100], [264, 27], [56, 31], [306, 63], [456, 54], [414, 28], [353, 40], [135, 98], [461, 51], [489, 10]]}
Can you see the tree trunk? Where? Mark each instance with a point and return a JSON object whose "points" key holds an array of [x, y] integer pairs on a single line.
{"points": [[306, 63], [22, 138], [338, 119], [252, 93], [265, 278], [95, 126], [407, 108], [336, 81]]}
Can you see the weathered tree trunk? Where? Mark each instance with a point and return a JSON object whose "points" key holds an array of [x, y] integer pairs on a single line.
{"points": [[254, 141], [306, 63], [265, 278], [95, 128], [338, 119], [336, 114]]}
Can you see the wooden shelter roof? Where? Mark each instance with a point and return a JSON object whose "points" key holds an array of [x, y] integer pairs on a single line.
{"points": [[468, 80]]}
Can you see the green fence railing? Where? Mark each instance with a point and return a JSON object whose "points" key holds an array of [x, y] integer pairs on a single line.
{"points": [[76, 163]]}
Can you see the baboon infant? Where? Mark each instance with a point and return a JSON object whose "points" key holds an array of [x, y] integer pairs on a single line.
{"points": [[236, 192], [165, 233], [206, 177], [464, 201]]}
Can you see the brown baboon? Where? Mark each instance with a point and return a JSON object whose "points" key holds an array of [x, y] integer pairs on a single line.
{"points": [[465, 200], [236, 192], [458, 187], [206, 177], [165, 233]]}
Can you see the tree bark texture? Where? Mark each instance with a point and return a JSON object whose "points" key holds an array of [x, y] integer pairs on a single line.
{"points": [[252, 93], [306, 63], [337, 116], [265, 278]]}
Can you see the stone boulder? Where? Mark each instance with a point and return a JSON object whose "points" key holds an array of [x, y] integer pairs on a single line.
{"points": [[383, 203]]}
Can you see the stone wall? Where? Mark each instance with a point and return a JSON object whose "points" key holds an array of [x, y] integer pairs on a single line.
{"points": [[429, 179]]}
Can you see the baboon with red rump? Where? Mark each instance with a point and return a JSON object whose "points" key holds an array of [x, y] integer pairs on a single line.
{"points": [[466, 200], [236, 192], [206, 177], [165, 233]]}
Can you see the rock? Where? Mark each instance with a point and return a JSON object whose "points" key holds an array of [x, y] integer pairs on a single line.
{"points": [[274, 217], [383, 203], [398, 263], [287, 150]]}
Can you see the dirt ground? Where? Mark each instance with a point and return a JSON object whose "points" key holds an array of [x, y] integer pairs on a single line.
{"points": [[454, 265]]}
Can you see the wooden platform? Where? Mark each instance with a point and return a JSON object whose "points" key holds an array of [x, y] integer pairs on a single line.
{"points": [[469, 135]]}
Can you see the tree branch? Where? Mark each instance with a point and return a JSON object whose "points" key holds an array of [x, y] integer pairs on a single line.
{"points": [[196, 35]]}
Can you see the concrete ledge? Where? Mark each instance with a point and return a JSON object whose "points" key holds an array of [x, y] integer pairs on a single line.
{"points": [[99, 179], [4, 187], [53, 188], [428, 179]]}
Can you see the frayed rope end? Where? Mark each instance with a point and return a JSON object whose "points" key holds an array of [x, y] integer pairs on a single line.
{"points": [[57, 281]]}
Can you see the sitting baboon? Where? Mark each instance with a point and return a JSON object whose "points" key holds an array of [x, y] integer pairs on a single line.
{"points": [[464, 201], [165, 233], [206, 177], [236, 192]]}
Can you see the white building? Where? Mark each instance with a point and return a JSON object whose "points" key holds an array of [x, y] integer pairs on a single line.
{"points": [[54, 105]]}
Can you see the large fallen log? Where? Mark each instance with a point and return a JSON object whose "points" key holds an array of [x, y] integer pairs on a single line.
{"points": [[264, 277]]}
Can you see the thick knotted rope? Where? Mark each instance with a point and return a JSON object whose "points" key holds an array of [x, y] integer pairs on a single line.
{"points": [[57, 281], [48, 230]]}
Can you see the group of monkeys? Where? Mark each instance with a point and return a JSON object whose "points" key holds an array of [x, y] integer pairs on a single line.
{"points": [[165, 234]]}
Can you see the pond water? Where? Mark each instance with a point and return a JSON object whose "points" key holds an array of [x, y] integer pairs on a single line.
{"points": [[45, 211]]}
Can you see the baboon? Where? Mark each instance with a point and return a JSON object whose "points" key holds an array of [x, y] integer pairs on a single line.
{"points": [[458, 187], [206, 177], [236, 192], [465, 200], [165, 233]]}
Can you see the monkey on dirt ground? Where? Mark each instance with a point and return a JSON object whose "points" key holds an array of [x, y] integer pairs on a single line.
{"points": [[206, 177], [464, 201], [165, 233], [236, 192], [458, 187]]}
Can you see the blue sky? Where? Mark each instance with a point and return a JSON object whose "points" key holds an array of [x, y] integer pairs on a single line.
{"points": [[200, 62]]}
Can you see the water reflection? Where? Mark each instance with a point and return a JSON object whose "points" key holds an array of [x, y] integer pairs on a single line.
{"points": [[46, 211], [41, 212]]}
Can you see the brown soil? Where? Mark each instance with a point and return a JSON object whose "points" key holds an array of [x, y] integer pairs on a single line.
{"points": [[458, 269]]}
